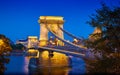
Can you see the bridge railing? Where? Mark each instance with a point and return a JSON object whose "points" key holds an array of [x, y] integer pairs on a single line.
{"points": [[72, 49]]}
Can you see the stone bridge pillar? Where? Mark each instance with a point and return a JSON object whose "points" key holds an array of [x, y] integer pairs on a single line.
{"points": [[52, 22]]}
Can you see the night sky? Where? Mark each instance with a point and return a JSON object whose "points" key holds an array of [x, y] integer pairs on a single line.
{"points": [[19, 18]]}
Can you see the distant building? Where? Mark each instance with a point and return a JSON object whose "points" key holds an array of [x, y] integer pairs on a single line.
{"points": [[32, 41], [97, 31], [23, 42]]}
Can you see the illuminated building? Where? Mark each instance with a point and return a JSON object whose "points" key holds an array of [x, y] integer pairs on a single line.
{"points": [[97, 31]]}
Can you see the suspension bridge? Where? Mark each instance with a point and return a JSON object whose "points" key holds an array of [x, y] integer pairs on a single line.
{"points": [[54, 25]]}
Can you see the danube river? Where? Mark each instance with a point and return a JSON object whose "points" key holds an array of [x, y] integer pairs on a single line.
{"points": [[58, 64]]}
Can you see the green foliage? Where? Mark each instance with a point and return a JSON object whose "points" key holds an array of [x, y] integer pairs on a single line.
{"points": [[5, 49], [13, 46], [18, 47], [108, 45]]}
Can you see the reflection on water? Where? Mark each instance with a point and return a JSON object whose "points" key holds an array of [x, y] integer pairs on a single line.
{"points": [[52, 64], [49, 64], [17, 65], [57, 60], [78, 66], [52, 71]]}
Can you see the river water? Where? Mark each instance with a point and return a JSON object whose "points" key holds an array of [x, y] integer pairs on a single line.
{"points": [[58, 64]]}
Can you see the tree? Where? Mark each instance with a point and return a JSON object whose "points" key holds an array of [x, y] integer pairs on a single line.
{"points": [[5, 49], [107, 42], [20, 47]]}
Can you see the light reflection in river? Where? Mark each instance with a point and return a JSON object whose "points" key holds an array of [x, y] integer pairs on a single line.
{"points": [[57, 60], [17, 65], [48, 65], [57, 64]]}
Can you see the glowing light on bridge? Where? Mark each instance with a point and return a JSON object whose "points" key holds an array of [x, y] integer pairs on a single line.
{"points": [[32, 41], [52, 22]]}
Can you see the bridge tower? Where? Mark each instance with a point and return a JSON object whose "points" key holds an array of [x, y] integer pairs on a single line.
{"points": [[52, 22], [32, 41]]}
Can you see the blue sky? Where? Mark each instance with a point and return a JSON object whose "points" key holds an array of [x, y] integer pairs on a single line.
{"points": [[19, 18]]}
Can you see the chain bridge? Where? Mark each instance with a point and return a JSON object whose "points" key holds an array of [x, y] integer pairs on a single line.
{"points": [[54, 26]]}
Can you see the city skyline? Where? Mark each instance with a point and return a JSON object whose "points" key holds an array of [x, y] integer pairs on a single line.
{"points": [[19, 18]]}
